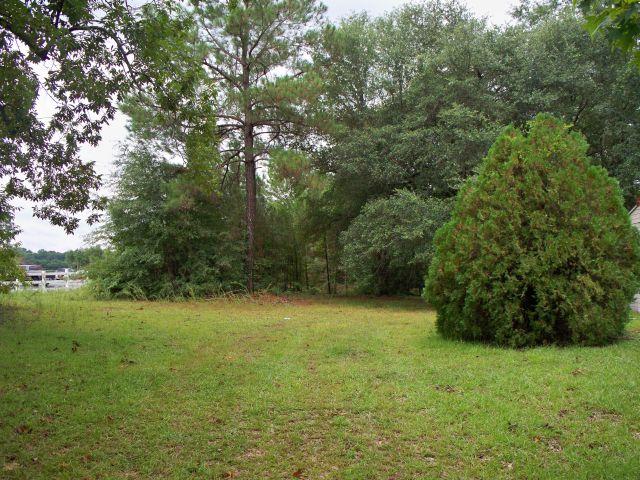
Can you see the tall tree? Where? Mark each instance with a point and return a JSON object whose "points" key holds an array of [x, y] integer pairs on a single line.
{"points": [[256, 50]]}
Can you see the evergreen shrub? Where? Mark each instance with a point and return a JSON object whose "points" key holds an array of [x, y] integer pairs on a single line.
{"points": [[539, 249]]}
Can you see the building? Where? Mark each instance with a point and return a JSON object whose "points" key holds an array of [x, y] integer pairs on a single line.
{"points": [[33, 272], [635, 220]]}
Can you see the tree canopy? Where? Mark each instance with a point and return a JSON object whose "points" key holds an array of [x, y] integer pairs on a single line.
{"points": [[48, 108], [618, 21], [306, 154]]}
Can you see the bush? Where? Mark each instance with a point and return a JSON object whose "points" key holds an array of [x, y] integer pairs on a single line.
{"points": [[539, 249], [9, 269], [389, 245], [168, 236]]}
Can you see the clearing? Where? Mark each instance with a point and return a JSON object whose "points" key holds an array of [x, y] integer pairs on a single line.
{"points": [[305, 388]]}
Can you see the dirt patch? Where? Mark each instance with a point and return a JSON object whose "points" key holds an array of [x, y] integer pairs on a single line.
{"points": [[254, 453], [604, 415]]}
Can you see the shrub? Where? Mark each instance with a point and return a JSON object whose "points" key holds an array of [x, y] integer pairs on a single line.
{"points": [[9, 269], [168, 234], [539, 249], [389, 245]]}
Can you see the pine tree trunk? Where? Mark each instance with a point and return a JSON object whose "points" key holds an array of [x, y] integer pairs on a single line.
{"points": [[250, 183], [249, 168], [326, 262]]}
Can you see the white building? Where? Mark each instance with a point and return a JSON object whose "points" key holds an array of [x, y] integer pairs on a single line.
{"points": [[635, 219]]}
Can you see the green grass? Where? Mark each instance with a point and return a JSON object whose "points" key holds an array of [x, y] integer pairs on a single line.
{"points": [[313, 388]]}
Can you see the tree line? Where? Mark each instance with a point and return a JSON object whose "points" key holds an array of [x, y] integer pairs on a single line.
{"points": [[271, 149], [52, 260]]}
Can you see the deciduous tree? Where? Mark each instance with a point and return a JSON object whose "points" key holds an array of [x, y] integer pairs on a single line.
{"points": [[74, 55]]}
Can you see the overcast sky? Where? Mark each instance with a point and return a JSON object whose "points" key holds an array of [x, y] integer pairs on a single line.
{"points": [[37, 234]]}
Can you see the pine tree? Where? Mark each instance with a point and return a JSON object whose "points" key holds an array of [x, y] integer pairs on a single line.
{"points": [[256, 50]]}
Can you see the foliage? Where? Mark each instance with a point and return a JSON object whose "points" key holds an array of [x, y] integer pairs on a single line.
{"points": [[421, 116], [347, 57], [540, 248], [169, 234], [9, 270], [618, 20], [52, 260], [48, 259], [554, 66], [387, 247], [172, 227], [298, 129], [284, 244], [53, 48], [256, 53], [83, 257], [174, 112]]}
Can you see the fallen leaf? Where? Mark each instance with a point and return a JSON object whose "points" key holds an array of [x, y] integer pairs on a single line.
{"points": [[23, 429], [8, 467], [297, 473], [554, 445]]}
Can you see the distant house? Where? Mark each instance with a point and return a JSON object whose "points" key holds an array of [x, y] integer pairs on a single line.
{"points": [[635, 220]]}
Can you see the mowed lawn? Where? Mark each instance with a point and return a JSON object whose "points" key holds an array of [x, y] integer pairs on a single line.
{"points": [[301, 388]]}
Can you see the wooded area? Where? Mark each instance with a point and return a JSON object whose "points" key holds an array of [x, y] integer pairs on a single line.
{"points": [[272, 149]]}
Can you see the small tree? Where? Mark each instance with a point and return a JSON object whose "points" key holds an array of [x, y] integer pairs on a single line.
{"points": [[388, 246], [540, 248], [9, 269]]}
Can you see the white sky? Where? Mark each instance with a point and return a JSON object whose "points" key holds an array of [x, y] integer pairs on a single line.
{"points": [[38, 234]]}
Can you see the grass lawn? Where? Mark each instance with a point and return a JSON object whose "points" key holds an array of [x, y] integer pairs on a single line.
{"points": [[309, 388]]}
